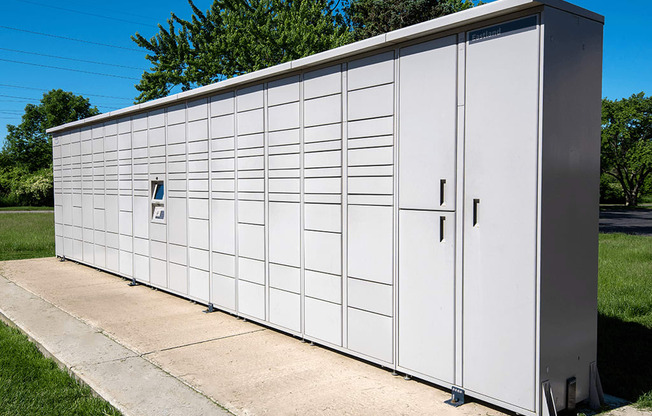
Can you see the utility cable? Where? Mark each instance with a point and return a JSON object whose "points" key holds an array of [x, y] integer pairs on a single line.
{"points": [[69, 38], [86, 13], [70, 59], [105, 105], [79, 93], [68, 69]]}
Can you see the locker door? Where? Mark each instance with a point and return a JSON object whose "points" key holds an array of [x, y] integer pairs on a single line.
{"points": [[428, 123], [500, 211], [426, 308]]}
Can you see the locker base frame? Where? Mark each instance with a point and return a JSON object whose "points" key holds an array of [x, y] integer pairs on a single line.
{"points": [[548, 399], [596, 394], [457, 397]]}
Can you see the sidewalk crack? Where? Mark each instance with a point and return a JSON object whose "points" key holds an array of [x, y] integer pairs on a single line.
{"points": [[201, 342]]}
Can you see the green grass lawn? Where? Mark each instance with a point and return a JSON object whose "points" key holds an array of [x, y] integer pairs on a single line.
{"points": [[26, 235], [31, 384], [625, 317], [26, 208]]}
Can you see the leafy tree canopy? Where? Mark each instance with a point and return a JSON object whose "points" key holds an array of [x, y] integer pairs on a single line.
{"points": [[234, 37], [626, 152], [374, 17], [27, 145]]}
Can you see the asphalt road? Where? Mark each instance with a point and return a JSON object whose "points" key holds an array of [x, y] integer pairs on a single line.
{"points": [[626, 221]]}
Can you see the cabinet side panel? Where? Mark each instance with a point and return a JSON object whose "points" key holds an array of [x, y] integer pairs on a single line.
{"points": [[569, 199]]}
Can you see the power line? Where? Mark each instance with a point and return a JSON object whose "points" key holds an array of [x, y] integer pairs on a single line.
{"points": [[14, 96], [86, 13], [115, 11], [70, 59], [68, 69], [103, 105], [80, 93], [69, 38]]}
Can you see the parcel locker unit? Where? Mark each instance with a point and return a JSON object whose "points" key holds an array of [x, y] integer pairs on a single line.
{"points": [[424, 199]]}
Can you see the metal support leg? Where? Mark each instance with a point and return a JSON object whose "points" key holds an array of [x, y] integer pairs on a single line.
{"points": [[62, 258], [596, 395], [550, 409], [210, 309], [457, 397], [133, 282]]}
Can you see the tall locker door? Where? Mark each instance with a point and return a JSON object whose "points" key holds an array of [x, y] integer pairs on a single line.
{"points": [[500, 211], [427, 154]]}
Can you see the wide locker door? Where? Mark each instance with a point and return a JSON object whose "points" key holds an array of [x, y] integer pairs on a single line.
{"points": [[426, 326], [500, 211]]}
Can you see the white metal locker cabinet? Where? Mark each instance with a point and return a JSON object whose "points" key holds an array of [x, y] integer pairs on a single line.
{"points": [[87, 195], [284, 208], [250, 185], [57, 173], [111, 207], [76, 195], [125, 197], [370, 213], [322, 161], [198, 201], [141, 215], [223, 219], [223, 212], [99, 222], [500, 221], [418, 199], [157, 136]]}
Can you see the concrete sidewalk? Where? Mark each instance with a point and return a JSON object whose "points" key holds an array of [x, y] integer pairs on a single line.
{"points": [[151, 353]]}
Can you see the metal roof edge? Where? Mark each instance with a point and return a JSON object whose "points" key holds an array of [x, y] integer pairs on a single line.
{"points": [[429, 27]]}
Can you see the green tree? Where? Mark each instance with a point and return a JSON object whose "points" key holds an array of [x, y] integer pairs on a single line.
{"points": [[626, 152], [373, 17], [27, 145], [234, 37], [26, 157]]}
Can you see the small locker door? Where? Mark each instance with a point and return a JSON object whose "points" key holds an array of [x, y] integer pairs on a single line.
{"points": [[500, 211], [426, 303]]}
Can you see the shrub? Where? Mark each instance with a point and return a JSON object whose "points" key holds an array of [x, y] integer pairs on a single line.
{"points": [[20, 187], [611, 192]]}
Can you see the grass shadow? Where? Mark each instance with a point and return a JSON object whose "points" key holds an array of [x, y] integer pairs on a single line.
{"points": [[624, 357]]}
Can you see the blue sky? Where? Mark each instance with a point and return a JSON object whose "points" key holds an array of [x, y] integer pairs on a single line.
{"points": [[27, 58]]}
